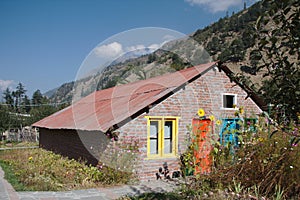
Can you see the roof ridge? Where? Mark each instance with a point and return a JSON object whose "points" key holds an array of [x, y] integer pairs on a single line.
{"points": [[118, 97]]}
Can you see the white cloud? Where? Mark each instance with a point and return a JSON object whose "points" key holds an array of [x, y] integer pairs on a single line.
{"points": [[168, 38], [135, 47], [109, 50], [216, 5], [6, 84], [154, 46]]}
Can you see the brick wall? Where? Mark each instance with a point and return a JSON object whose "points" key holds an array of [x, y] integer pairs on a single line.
{"points": [[205, 92]]}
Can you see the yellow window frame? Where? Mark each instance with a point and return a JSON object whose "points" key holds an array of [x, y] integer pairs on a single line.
{"points": [[161, 121]]}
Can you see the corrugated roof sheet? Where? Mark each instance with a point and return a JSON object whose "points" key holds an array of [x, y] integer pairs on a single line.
{"points": [[105, 108]]}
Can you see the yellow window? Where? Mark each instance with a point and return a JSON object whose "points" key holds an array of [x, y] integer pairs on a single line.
{"points": [[162, 137]]}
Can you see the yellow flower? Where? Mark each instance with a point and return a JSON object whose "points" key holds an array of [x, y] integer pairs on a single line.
{"points": [[241, 110], [233, 106], [261, 139], [236, 113], [218, 122], [201, 112], [30, 158], [212, 118]]}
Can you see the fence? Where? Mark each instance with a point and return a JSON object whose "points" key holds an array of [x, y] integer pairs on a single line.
{"points": [[27, 134]]}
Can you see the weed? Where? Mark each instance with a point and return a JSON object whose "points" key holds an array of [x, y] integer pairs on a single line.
{"points": [[237, 187], [11, 177], [278, 193]]}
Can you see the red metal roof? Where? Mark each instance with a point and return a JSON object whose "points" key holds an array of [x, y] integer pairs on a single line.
{"points": [[105, 108]]}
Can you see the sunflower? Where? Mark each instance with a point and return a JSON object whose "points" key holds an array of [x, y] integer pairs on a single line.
{"points": [[218, 122], [212, 118], [241, 110], [201, 112]]}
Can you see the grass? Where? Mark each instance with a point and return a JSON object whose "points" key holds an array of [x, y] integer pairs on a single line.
{"points": [[8, 144], [11, 177], [41, 170]]}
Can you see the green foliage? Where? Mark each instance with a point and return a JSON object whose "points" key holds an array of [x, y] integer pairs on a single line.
{"points": [[187, 161], [235, 51], [19, 110], [40, 112], [37, 98], [278, 47], [111, 82], [7, 95], [4, 118], [11, 177], [151, 58], [177, 62], [41, 170]]}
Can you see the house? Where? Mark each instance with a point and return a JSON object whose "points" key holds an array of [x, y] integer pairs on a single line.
{"points": [[155, 113]]}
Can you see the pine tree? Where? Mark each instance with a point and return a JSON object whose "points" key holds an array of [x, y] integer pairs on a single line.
{"points": [[7, 95], [37, 98]]}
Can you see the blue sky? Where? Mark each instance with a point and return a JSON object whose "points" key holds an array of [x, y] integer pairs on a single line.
{"points": [[44, 42]]}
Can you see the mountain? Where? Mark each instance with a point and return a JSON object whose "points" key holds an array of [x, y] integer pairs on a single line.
{"points": [[50, 93], [129, 68], [232, 40]]}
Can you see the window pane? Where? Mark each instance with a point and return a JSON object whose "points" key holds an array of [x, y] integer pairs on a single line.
{"points": [[153, 146], [228, 101], [168, 146], [168, 129], [154, 129], [154, 137]]}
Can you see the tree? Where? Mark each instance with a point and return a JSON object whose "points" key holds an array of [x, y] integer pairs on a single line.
{"points": [[279, 49], [26, 104], [237, 50], [18, 95], [37, 98], [4, 118], [7, 95], [151, 58]]}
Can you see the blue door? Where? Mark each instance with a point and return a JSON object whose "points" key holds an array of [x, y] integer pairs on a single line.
{"points": [[229, 132]]}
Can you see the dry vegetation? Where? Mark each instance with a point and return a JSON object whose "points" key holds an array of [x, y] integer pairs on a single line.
{"points": [[41, 170]]}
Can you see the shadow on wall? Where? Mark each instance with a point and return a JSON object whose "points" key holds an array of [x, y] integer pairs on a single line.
{"points": [[80, 145]]}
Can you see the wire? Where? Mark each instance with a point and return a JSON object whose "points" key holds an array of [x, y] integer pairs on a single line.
{"points": [[36, 105]]}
